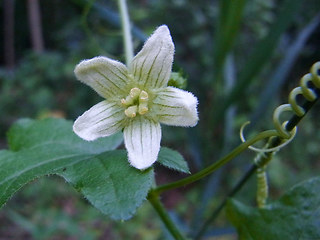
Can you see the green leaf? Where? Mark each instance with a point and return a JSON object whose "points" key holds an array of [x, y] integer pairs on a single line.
{"points": [[49, 146], [110, 183], [172, 159], [27, 133], [294, 216]]}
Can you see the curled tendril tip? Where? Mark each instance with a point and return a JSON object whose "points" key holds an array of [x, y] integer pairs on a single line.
{"points": [[265, 150]]}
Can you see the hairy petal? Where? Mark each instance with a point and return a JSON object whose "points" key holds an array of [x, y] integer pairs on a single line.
{"points": [[176, 107], [103, 119], [142, 139], [106, 76], [151, 67]]}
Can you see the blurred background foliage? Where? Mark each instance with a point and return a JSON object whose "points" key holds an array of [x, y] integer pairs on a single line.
{"points": [[241, 59]]}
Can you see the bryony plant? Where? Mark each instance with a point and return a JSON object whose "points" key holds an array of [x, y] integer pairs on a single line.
{"points": [[137, 99]]}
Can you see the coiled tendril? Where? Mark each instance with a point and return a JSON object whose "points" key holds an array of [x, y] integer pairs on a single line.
{"points": [[310, 90]]}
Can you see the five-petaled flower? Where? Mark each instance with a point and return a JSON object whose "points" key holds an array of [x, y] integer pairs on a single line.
{"points": [[137, 99]]}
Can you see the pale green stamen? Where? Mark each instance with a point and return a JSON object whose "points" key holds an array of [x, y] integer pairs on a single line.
{"points": [[131, 111], [136, 102]]}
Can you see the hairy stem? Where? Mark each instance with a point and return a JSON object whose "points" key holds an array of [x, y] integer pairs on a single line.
{"points": [[126, 30]]}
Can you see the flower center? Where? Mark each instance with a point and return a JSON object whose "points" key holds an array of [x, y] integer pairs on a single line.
{"points": [[136, 102]]}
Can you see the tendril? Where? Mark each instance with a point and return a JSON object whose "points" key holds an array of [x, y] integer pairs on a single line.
{"points": [[265, 150], [309, 89]]}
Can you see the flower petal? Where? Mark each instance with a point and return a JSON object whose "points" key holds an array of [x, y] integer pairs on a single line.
{"points": [[176, 107], [142, 139], [152, 65], [103, 119], [106, 76]]}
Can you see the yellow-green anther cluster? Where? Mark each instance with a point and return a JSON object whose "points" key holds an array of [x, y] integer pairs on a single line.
{"points": [[136, 102]]}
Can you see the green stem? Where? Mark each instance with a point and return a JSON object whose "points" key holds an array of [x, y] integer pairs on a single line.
{"points": [[153, 198], [213, 167], [292, 123], [126, 31]]}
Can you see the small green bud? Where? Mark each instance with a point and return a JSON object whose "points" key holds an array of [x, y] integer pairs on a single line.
{"points": [[177, 80]]}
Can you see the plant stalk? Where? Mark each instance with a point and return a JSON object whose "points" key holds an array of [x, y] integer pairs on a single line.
{"points": [[153, 198], [292, 123], [213, 167], [126, 30]]}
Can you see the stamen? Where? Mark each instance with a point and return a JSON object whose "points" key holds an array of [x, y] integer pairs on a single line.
{"points": [[123, 102], [143, 97], [136, 102], [134, 92], [131, 111], [128, 101], [143, 108]]}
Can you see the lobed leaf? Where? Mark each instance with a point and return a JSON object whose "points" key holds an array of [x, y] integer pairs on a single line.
{"points": [[294, 216], [99, 172]]}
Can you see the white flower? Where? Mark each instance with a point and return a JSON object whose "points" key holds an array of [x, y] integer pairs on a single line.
{"points": [[137, 99]]}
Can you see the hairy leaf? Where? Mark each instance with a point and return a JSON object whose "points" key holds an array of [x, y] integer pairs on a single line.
{"points": [[172, 159], [296, 215], [110, 183], [101, 174], [28, 134]]}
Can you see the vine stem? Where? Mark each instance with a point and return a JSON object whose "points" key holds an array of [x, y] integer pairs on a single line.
{"points": [[154, 194], [292, 123], [126, 30], [213, 167], [153, 198]]}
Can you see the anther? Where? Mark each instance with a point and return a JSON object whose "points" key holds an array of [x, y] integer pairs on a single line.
{"points": [[123, 102], [136, 102], [131, 111], [135, 92], [143, 108], [143, 97]]}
